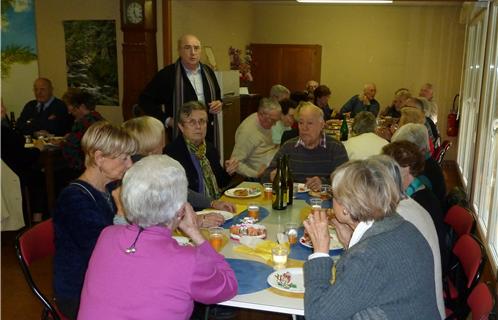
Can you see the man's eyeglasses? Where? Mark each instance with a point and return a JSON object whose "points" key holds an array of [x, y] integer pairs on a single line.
{"points": [[191, 48], [193, 122]]}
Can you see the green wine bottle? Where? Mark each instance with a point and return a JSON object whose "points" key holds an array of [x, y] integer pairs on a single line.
{"points": [[344, 129]]}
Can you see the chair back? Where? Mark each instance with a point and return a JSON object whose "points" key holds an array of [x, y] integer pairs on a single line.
{"points": [[471, 256], [460, 219], [441, 151], [480, 302], [32, 245]]}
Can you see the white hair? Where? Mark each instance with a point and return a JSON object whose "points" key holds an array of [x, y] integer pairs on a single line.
{"points": [[415, 133], [153, 190]]}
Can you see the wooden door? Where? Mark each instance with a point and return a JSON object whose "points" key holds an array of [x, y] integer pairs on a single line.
{"points": [[288, 64]]}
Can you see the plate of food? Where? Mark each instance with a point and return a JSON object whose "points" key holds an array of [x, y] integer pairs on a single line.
{"points": [[248, 229], [334, 240], [290, 280], [227, 215], [301, 187], [243, 192]]}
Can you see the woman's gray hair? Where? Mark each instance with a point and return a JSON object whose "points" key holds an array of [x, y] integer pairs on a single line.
{"points": [[366, 189], [415, 133], [153, 190], [393, 168], [364, 122]]}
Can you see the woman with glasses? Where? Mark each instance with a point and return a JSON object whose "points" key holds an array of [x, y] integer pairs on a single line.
{"points": [[199, 157]]}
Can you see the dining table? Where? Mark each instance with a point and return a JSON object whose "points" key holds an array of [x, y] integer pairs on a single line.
{"points": [[252, 270]]}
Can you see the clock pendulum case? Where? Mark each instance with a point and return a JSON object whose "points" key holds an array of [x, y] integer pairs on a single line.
{"points": [[138, 23]]}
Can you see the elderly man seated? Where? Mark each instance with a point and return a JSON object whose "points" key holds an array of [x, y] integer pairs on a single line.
{"points": [[365, 142], [254, 147], [313, 156], [364, 101]]}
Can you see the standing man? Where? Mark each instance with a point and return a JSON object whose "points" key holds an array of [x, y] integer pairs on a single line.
{"points": [[46, 114], [364, 101], [185, 80]]}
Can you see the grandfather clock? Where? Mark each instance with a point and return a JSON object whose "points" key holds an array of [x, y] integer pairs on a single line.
{"points": [[138, 23]]}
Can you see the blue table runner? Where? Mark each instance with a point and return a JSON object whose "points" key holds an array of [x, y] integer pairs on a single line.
{"points": [[263, 213], [251, 275]]}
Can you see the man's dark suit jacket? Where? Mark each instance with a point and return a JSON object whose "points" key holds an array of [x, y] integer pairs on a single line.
{"points": [[160, 90], [178, 150], [54, 119]]}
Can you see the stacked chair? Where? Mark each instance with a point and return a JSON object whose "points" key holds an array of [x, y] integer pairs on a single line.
{"points": [[462, 291]]}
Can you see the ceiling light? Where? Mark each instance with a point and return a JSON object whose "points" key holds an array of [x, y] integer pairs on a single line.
{"points": [[346, 1]]}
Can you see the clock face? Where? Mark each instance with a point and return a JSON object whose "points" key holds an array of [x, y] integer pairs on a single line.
{"points": [[134, 13]]}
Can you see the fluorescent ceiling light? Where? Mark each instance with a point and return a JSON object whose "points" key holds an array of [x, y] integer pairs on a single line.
{"points": [[346, 1]]}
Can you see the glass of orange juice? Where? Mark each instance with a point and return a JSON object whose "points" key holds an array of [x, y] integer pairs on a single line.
{"points": [[253, 211], [216, 237]]}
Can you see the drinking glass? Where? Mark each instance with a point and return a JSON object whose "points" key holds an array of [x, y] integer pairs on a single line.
{"points": [[268, 187], [216, 238], [279, 256], [291, 231], [253, 211], [316, 203]]}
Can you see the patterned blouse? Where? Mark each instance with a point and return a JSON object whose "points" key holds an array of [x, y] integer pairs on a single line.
{"points": [[71, 146]]}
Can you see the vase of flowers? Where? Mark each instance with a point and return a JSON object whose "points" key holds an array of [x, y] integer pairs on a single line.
{"points": [[243, 65]]}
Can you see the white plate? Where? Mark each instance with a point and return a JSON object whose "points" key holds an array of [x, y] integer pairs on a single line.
{"points": [[183, 241], [296, 280], [334, 241], [301, 187], [257, 226], [227, 215], [251, 192]]}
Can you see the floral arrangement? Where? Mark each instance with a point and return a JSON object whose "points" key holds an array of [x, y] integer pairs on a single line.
{"points": [[243, 65]]}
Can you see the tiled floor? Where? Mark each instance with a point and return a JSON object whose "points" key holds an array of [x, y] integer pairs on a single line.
{"points": [[17, 301]]}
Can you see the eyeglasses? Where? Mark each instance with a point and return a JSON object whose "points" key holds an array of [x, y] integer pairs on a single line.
{"points": [[194, 122], [191, 48]]}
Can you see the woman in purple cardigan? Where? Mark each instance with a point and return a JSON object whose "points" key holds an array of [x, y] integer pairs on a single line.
{"points": [[139, 271]]}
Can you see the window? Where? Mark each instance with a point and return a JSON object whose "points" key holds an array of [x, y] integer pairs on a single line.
{"points": [[479, 125]]}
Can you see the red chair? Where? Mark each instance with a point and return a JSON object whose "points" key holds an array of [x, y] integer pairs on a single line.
{"points": [[35, 244], [464, 275], [479, 303], [440, 152], [460, 219]]}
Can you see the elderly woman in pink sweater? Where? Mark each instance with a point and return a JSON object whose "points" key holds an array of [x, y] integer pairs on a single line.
{"points": [[139, 271]]}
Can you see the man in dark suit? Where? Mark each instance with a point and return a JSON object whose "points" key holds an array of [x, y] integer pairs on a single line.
{"points": [[185, 80], [46, 113]]}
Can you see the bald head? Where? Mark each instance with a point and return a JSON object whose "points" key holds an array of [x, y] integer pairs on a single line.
{"points": [[311, 124], [189, 49]]}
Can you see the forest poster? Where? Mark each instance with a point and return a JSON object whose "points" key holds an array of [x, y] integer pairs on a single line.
{"points": [[91, 58]]}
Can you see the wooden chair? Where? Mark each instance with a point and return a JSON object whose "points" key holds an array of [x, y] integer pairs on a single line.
{"points": [[32, 245]]}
